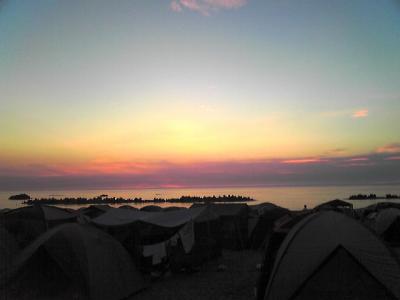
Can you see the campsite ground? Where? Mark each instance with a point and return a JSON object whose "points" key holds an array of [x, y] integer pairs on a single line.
{"points": [[236, 282]]}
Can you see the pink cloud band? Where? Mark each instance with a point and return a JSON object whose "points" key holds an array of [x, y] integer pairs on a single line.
{"points": [[381, 165]]}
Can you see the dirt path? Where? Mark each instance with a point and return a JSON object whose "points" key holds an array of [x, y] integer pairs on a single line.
{"points": [[236, 282]]}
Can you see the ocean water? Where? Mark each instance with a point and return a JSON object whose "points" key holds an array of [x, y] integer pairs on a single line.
{"points": [[290, 197]]}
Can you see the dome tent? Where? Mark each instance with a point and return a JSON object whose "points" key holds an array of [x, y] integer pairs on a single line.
{"points": [[331, 256], [94, 210], [387, 225], [172, 208], [336, 204], [234, 223], [262, 217], [151, 208], [126, 206], [273, 241], [8, 249], [90, 259], [27, 223], [365, 212], [135, 229], [206, 246]]}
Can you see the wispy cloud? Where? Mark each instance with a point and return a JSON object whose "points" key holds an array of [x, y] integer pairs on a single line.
{"points": [[359, 159], [205, 7], [335, 152], [393, 158], [304, 161], [390, 148], [362, 113], [175, 6], [379, 166]]}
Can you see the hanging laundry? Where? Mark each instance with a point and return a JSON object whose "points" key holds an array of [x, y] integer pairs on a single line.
{"points": [[157, 251], [174, 240], [187, 236]]}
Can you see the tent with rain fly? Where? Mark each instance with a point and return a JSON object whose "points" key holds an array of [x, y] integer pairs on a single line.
{"points": [[336, 204], [329, 255], [128, 207], [262, 218], [151, 208], [4, 210], [281, 228], [8, 249], [93, 211], [27, 223], [285, 223], [207, 236], [376, 207], [73, 259], [172, 208], [386, 224], [135, 229], [117, 217], [234, 224]]}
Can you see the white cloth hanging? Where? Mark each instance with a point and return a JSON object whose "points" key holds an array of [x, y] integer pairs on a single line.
{"points": [[187, 236], [157, 251]]}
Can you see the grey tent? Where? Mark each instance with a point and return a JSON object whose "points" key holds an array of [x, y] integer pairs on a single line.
{"points": [[234, 224], [387, 224], [281, 228], [128, 207], [329, 255], [4, 210], [89, 259], [27, 223], [207, 236], [151, 208], [167, 219], [172, 208], [153, 227], [376, 207], [285, 223], [93, 211], [137, 228], [8, 249], [263, 216], [336, 204]]}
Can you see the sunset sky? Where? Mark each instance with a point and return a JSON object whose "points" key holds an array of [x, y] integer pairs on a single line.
{"points": [[184, 93]]}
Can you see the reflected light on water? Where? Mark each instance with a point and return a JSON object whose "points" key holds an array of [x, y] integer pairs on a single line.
{"points": [[289, 197]]}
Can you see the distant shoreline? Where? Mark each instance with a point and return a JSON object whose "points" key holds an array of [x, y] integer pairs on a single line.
{"points": [[373, 197], [377, 198], [104, 199]]}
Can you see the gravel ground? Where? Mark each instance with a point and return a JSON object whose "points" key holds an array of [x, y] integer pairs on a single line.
{"points": [[236, 282]]}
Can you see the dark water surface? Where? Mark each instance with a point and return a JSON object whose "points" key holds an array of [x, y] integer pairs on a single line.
{"points": [[289, 197]]}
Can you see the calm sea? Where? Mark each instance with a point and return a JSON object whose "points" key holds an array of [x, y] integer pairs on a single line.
{"points": [[289, 197]]}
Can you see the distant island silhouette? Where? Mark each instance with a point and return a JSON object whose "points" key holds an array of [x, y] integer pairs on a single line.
{"points": [[373, 197], [20, 197], [105, 199]]}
